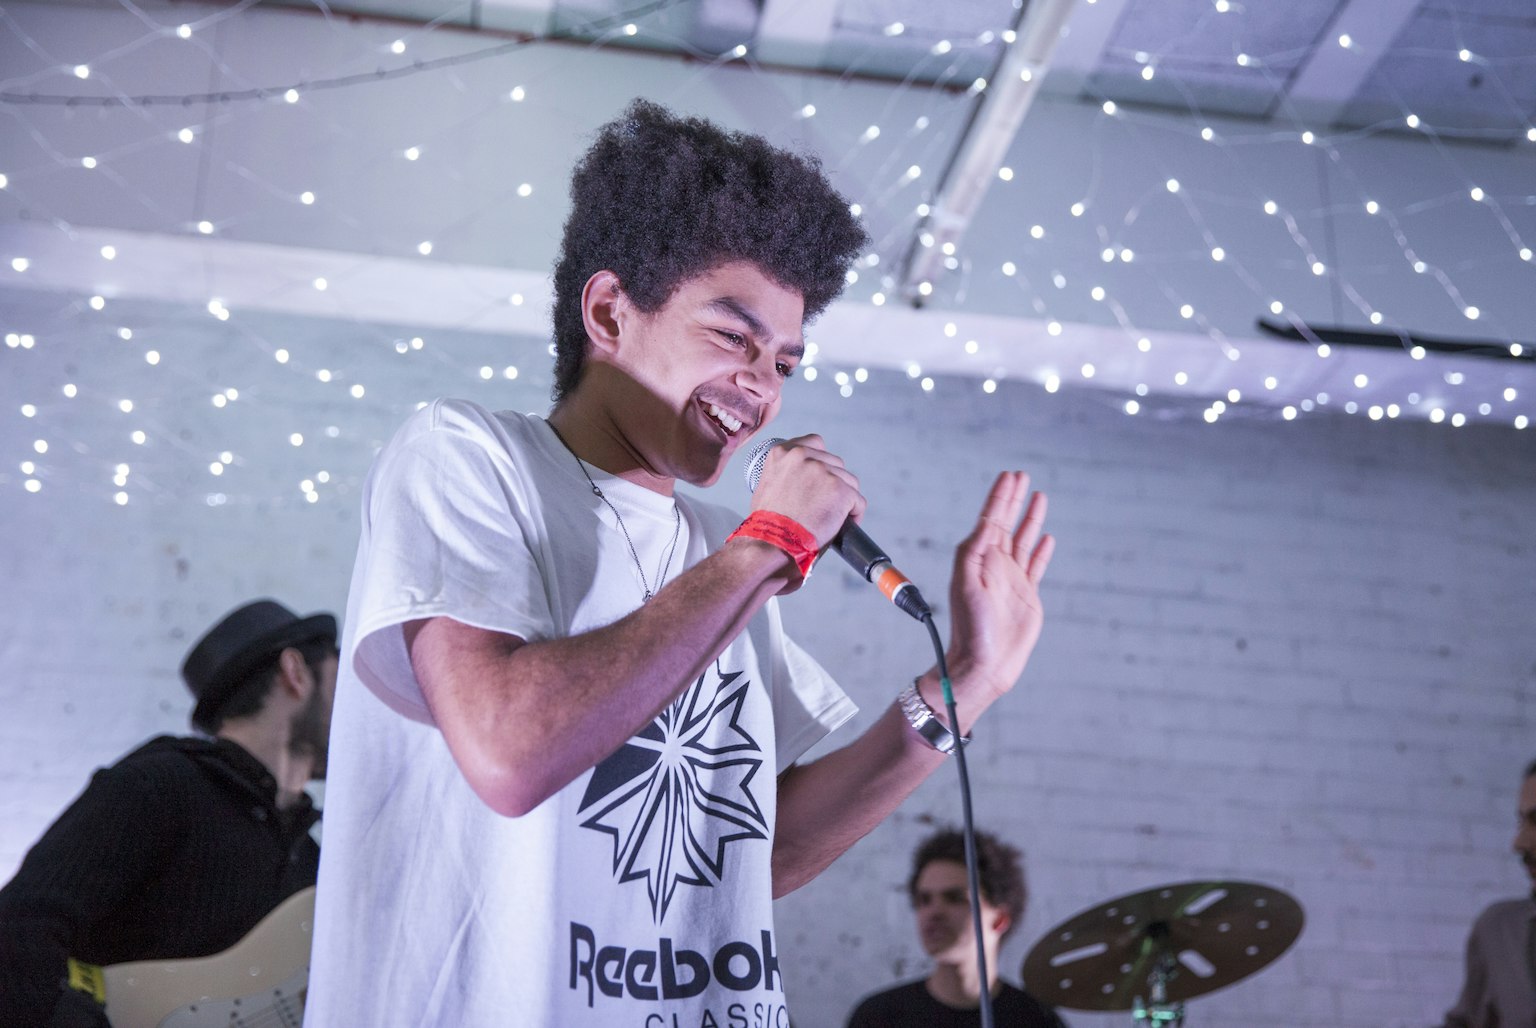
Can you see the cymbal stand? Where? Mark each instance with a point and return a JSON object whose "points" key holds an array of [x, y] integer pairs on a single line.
{"points": [[1159, 1013]]}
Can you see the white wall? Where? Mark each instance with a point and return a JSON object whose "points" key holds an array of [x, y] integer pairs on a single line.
{"points": [[1291, 653], [1298, 653]]}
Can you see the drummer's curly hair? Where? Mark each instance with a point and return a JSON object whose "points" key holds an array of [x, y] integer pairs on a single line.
{"points": [[660, 199], [999, 866]]}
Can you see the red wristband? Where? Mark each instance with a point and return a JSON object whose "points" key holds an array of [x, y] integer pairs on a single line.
{"points": [[785, 533]]}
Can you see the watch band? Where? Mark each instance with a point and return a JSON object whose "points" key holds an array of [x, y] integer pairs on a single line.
{"points": [[925, 722]]}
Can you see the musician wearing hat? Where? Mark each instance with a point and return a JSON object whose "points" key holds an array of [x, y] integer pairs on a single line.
{"points": [[183, 845]]}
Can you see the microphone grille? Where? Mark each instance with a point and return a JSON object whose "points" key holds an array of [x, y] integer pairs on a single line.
{"points": [[756, 458]]}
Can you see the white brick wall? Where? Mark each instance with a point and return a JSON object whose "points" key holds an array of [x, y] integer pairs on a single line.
{"points": [[1296, 653], [1291, 653]]}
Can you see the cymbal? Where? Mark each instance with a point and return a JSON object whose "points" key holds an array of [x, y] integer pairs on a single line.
{"points": [[1208, 934]]}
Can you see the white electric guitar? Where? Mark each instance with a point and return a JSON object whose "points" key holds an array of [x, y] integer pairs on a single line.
{"points": [[259, 981]]}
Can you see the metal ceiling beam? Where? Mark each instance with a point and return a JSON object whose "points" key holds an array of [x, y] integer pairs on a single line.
{"points": [[985, 143], [1334, 73], [795, 32], [532, 17], [1081, 47]]}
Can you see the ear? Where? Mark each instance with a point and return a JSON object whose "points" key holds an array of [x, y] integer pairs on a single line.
{"points": [[294, 675], [1002, 922], [603, 305]]}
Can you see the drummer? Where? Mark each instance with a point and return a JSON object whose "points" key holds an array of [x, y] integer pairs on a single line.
{"points": [[951, 994]]}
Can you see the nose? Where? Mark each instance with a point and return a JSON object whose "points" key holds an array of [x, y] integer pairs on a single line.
{"points": [[760, 378]]}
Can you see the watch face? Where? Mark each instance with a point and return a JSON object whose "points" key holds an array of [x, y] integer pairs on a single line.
{"points": [[943, 740]]}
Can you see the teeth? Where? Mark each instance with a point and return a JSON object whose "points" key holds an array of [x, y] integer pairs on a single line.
{"points": [[724, 417]]}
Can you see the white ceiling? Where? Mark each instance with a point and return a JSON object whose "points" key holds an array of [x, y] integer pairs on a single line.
{"points": [[1405, 53], [1263, 71]]}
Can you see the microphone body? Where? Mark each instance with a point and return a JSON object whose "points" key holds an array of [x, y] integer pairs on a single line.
{"points": [[855, 546]]}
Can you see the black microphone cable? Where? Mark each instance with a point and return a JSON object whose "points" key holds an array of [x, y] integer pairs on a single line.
{"points": [[967, 821]]}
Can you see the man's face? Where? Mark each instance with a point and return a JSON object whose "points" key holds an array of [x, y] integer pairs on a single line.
{"points": [[942, 903], [1525, 835], [311, 729], [716, 356]]}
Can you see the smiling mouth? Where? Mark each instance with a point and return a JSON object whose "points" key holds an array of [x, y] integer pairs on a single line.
{"points": [[724, 418]]}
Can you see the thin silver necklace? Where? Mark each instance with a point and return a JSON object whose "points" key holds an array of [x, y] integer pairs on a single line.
{"points": [[677, 527]]}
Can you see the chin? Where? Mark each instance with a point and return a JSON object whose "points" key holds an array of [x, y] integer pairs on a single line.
{"points": [[706, 471], [938, 948]]}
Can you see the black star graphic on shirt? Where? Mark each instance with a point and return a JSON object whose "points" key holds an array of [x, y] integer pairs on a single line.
{"points": [[680, 791]]}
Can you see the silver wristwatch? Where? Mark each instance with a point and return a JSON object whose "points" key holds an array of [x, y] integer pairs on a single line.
{"points": [[925, 722]]}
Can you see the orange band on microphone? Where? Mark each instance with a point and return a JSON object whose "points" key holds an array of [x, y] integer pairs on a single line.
{"points": [[891, 582], [786, 533]]}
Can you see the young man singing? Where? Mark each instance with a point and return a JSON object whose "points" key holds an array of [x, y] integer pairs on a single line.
{"points": [[563, 783]]}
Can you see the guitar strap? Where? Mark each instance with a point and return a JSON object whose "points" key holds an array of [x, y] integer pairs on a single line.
{"points": [[87, 978]]}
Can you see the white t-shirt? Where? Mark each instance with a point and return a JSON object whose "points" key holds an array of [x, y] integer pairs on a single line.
{"points": [[639, 895]]}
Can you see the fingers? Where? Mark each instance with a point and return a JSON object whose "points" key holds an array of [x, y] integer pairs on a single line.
{"points": [[1041, 559], [999, 526], [1000, 510], [1030, 528], [804, 481]]}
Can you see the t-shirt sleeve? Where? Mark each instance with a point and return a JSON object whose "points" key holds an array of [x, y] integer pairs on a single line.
{"points": [[810, 705], [447, 533], [864, 1016]]}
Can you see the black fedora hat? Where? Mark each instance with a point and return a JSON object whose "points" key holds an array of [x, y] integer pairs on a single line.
{"points": [[239, 644]]}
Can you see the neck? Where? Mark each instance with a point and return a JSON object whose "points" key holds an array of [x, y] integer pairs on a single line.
{"points": [[959, 985], [270, 746], [593, 436]]}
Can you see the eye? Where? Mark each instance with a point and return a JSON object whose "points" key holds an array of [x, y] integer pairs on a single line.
{"points": [[785, 370], [734, 338]]}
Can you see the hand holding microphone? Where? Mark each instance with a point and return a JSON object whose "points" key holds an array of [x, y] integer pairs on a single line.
{"points": [[850, 541]]}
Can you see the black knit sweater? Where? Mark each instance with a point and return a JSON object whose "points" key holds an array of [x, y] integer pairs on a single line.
{"points": [[178, 850]]}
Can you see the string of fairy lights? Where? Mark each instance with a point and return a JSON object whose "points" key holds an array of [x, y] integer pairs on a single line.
{"points": [[895, 160]]}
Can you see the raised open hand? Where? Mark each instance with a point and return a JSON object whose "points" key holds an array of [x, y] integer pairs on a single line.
{"points": [[995, 590]]}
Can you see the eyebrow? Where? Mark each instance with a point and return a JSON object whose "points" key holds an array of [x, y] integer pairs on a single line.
{"points": [[733, 307]]}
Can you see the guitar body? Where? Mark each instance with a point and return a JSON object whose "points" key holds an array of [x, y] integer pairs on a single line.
{"points": [[260, 980]]}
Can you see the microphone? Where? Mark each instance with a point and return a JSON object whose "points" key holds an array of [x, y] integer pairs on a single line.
{"points": [[855, 546]]}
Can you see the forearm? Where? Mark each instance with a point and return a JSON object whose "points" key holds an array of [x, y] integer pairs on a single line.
{"points": [[830, 804], [826, 806], [524, 720]]}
